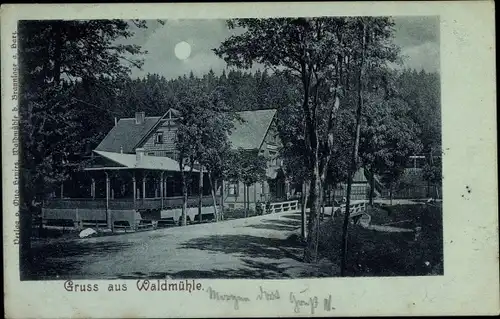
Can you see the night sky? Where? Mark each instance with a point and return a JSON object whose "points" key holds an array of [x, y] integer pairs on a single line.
{"points": [[418, 38]]}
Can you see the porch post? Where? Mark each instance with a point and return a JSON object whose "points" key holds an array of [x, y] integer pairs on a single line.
{"points": [[62, 190], [134, 185], [165, 187], [144, 185], [92, 188], [161, 188], [108, 215], [156, 186]]}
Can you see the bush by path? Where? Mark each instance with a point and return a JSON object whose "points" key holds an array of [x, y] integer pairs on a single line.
{"points": [[236, 213]]}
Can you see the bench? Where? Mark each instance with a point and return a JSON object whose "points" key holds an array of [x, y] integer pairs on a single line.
{"points": [[59, 224], [144, 223], [207, 217], [122, 224], [166, 222], [94, 224]]}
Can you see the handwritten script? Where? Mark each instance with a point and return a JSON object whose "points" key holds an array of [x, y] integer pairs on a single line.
{"points": [[299, 301]]}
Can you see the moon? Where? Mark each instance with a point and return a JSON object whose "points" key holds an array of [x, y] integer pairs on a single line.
{"points": [[182, 50]]}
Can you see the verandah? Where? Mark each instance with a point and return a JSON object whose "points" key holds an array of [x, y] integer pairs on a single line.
{"points": [[131, 188]]}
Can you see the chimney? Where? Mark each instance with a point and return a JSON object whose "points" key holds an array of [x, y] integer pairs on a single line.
{"points": [[139, 154], [116, 121], [139, 117], [121, 149]]}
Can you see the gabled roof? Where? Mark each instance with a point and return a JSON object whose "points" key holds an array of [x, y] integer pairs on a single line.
{"points": [[126, 134], [126, 160], [170, 114], [250, 133]]}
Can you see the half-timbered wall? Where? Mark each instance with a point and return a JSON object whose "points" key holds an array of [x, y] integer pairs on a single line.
{"points": [[271, 145], [161, 142]]}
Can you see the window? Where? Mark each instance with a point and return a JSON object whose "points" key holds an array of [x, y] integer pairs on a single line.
{"points": [[232, 189], [159, 138]]}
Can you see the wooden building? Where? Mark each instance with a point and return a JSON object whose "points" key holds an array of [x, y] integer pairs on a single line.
{"points": [[134, 175]]}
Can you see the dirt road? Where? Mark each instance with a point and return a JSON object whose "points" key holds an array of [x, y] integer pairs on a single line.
{"points": [[255, 247]]}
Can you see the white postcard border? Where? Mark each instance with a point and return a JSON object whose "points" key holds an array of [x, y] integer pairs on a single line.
{"points": [[470, 281]]}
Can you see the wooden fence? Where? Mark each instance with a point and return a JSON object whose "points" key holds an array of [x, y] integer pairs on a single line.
{"points": [[281, 207], [414, 192], [356, 208]]}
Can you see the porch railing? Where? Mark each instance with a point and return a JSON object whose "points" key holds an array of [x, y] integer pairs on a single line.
{"points": [[127, 203]]}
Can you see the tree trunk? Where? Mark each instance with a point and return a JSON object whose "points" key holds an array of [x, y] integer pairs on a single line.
{"points": [[390, 195], [318, 221], [184, 194], [322, 215], [184, 200], [222, 200], [332, 192], [212, 190], [248, 200], [245, 200], [25, 230], [310, 254], [372, 186], [200, 195], [345, 225], [57, 53], [354, 158], [303, 213], [29, 184], [255, 196]]}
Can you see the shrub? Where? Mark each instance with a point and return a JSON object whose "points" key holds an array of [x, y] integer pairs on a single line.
{"points": [[234, 213]]}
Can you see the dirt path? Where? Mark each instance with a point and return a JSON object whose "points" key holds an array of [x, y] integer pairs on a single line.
{"points": [[255, 247]]}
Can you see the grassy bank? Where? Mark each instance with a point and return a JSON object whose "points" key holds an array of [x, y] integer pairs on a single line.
{"points": [[376, 253]]}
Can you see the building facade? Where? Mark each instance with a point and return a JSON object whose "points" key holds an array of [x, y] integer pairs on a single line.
{"points": [[253, 130], [134, 174]]}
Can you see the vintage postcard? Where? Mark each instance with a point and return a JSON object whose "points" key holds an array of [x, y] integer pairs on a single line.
{"points": [[249, 160]]}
